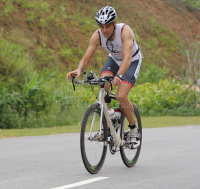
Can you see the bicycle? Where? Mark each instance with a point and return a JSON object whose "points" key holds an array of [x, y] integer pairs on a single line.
{"points": [[96, 135]]}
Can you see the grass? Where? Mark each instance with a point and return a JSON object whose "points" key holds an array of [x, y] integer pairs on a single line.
{"points": [[191, 5], [167, 121], [147, 122], [7, 133]]}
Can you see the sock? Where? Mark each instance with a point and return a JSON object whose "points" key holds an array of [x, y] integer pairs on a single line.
{"points": [[132, 126]]}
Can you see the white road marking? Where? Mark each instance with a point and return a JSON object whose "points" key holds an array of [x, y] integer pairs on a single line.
{"points": [[82, 183]]}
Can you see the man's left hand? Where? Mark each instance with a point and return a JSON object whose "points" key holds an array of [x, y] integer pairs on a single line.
{"points": [[117, 81]]}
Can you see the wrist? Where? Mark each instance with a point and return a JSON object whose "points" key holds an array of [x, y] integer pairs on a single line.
{"points": [[79, 69], [119, 76]]}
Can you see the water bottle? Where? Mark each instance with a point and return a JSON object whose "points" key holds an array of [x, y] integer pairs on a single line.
{"points": [[115, 116]]}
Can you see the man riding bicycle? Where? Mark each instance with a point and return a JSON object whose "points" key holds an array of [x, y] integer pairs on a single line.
{"points": [[123, 62]]}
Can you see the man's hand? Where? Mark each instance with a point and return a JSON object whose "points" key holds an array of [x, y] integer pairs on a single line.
{"points": [[75, 73], [117, 81]]}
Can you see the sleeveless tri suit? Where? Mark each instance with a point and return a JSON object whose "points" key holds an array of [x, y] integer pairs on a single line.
{"points": [[115, 57]]}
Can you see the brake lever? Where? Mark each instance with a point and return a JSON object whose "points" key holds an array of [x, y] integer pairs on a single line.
{"points": [[73, 78], [84, 75]]}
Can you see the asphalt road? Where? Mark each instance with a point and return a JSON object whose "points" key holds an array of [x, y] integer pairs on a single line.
{"points": [[170, 158]]}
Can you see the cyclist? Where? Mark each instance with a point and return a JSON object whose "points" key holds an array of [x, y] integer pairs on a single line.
{"points": [[123, 62]]}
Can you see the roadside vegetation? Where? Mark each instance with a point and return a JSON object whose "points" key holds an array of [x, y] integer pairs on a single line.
{"points": [[147, 122], [191, 5], [36, 52]]}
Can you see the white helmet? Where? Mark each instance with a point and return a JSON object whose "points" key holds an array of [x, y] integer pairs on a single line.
{"points": [[106, 15]]}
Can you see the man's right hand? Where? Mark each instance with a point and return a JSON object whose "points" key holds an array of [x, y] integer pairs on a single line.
{"points": [[75, 73]]}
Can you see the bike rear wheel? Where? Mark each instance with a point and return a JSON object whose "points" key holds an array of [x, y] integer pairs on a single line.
{"points": [[93, 144], [130, 156]]}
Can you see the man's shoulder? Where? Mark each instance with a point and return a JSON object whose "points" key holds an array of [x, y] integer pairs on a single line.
{"points": [[126, 27], [123, 26], [95, 34], [119, 25], [126, 33], [95, 37]]}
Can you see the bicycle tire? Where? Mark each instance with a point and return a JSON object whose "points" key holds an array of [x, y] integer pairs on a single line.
{"points": [[130, 162], [86, 140]]}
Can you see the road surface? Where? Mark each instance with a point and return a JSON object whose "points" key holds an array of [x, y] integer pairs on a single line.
{"points": [[170, 158]]}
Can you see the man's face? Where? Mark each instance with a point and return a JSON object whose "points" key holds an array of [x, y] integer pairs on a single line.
{"points": [[107, 29]]}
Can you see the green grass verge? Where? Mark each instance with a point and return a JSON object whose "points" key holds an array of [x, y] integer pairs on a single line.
{"points": [[147, 122], [167, 121]]}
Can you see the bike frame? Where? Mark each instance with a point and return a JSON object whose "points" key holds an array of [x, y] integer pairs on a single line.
{"points": [[116, 135], [101, 100]]}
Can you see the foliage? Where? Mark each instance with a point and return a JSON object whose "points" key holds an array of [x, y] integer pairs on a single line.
{"points": [[33, 94], [44, 103], [163, 40], [45, 57], [49, 21], [191, 67], [8, 102], [160, 46], [164, 98], [15, 63], [153, 74], [191, 5]]}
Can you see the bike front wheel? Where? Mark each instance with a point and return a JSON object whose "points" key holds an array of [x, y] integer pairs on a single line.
{"points": [[129, 155], [93, 142]]}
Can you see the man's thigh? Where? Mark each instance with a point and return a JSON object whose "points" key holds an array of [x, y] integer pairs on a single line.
{"points": [[131, 74], [110, 68]]}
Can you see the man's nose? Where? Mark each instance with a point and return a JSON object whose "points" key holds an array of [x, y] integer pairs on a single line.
{"points": [[104, 30]]}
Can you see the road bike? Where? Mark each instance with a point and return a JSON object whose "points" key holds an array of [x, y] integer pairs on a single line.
{"points": [[98, 131]]}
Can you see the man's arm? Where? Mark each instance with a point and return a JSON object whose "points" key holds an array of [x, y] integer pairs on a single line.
{"points": [[93, 44], [127, 40]]}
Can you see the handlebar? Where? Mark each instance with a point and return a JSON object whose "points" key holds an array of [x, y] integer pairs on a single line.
{"points": [[92, 80]]}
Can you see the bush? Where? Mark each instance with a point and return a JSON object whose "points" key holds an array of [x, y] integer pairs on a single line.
{"points": [[164, 98], [47, 101], [153, 74], [15, 63], [44, 100], [34, 93], [8, 103]]}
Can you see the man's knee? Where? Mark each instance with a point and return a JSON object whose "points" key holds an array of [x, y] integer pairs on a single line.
{"points": [[122, 96], [107, 86]]}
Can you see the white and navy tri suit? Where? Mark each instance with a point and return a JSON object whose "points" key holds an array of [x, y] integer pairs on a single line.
{"points": [[115, 57]]}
